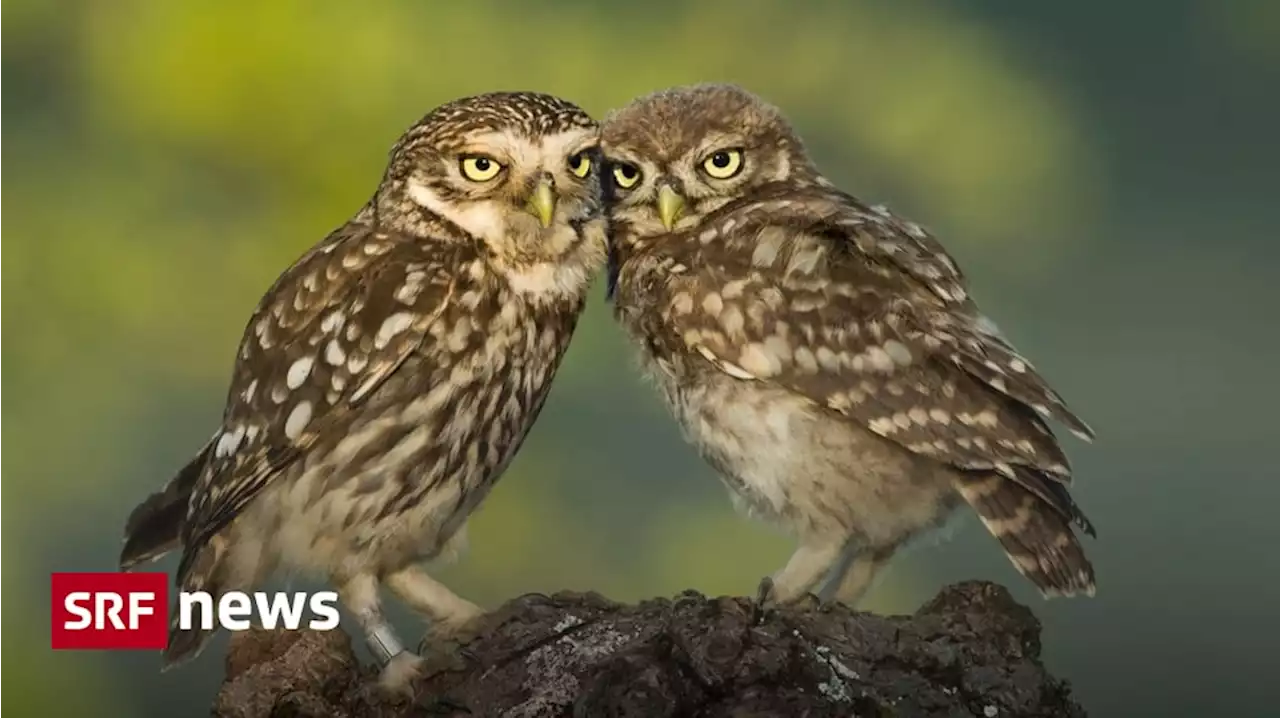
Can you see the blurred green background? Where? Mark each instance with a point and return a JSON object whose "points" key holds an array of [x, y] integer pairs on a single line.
{"points": [[1105, 173]]}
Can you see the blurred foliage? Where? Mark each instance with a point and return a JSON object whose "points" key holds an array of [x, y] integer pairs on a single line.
{"points": [[1247, 27], [168, 159]]}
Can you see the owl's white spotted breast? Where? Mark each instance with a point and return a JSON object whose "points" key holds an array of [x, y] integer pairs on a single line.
{"points": [[381, 387], [786, 460], [858, 314]]}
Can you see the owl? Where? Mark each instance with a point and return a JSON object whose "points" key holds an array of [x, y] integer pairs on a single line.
{"points": [[823, 355], [388, 377]]}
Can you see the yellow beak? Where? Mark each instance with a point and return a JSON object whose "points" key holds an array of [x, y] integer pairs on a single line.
{"points": [[670, 205], [542, 203]]}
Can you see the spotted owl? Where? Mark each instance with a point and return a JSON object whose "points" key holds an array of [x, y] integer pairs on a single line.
{"points": [[388, 377], [824, 355]]}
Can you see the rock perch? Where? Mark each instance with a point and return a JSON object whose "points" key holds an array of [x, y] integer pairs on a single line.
{"points": [[971, 651]]}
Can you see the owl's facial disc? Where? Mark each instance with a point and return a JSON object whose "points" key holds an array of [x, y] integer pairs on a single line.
{"points": [[670, 190], [502, 187]]}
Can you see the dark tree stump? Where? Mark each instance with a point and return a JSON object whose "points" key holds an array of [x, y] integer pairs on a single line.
{"points": [[971, 651]]}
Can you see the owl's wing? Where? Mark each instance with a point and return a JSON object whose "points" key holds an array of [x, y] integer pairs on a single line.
{"points": [[869, 318], [332, 329]]}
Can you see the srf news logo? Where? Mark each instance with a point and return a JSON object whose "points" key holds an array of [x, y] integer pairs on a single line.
{"points": [[131, 610]]}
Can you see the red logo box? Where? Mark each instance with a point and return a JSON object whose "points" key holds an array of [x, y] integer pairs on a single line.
{"points": [[110, 611]]}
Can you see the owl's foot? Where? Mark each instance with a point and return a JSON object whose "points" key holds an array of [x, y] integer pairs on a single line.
{"points": [[445, 645], [770, 596], [400, 674]]}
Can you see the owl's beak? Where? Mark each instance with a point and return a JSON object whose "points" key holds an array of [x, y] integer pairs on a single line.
{"points": [[542, 203], [670, 205]]}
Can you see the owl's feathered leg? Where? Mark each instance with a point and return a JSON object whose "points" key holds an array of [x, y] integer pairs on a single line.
{"points": [[806, 567], [399, 667], [450, 613], [455, 621], [854, 574]]}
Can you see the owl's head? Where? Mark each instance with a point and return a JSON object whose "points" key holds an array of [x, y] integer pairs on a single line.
{"points": [[677, 155], [519, 171]]}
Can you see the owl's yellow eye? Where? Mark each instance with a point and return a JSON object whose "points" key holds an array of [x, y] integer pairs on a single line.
{"points": [[479, 168], [723, 164], [580, 164], [626, 175]]}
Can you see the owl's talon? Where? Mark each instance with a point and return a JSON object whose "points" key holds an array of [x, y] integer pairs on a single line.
{"points": [[446, 643], [763, 602]]}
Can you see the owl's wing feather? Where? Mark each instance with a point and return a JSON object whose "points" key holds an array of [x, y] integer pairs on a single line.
{"points": [[903, 251], [331, 330], [847, 307]]}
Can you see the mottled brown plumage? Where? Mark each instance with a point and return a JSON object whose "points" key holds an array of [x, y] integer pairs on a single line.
{"points": [[391, 374], [824, 355]]}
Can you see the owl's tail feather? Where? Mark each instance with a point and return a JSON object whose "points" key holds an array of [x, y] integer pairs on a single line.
{"points": [[208, 573], [1037, 538], [154, 528]]}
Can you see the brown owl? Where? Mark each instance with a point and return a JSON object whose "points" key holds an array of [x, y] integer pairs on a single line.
{"points": [[391, 374], [824, 355]]}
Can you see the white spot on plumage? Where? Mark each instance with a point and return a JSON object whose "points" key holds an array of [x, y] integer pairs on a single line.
{"points": [[298, 372], [883, 426], [898, 352], [729, 368], [805, 360], [407, 293], [332, 321], [249, 391], [392, 326], [356, 363], [757, 360], [229, 442], [987, 418], [298, 419], [334, 354], [880, 359], [828, 359], [1018, 366], [732, 320]]}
